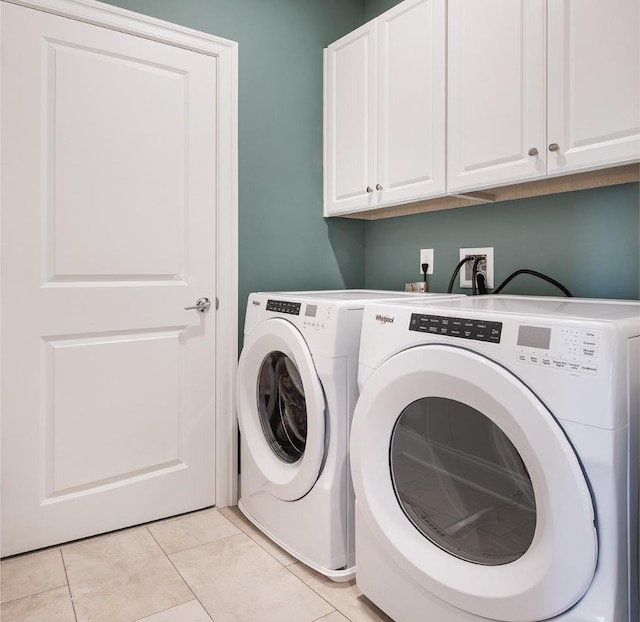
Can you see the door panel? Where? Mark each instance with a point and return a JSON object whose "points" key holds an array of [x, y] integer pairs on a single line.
{"points": [[134, 425], [496, 92], [108, 232], [594, 83], [117, 164], [411, 96], [350, 120]]}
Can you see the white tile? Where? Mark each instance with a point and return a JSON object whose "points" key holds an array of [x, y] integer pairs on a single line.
{"points": [[122, 577], [237, 581], [31, 574], [193, 530], [189, 612], [51, 606], [240, 520], [346, 597]]}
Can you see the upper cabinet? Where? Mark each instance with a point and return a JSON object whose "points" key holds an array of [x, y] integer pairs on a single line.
{"points": [[496, 93], [385, 110], [534, 90], [593, 83], [537, 88]]}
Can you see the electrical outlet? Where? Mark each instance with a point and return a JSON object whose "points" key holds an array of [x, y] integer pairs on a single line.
{"points": [[485, 266], [426, 256]]}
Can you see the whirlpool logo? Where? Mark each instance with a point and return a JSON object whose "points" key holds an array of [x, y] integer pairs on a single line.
{"points": [[255, 303], [384, 319]]}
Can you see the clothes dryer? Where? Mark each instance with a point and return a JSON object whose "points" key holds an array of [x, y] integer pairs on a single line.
{"points": [[494, 453], [296, 390]]}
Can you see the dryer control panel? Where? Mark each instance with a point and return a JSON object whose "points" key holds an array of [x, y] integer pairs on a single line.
{"points": [[565, 349], [284, 306], [464, 328]]}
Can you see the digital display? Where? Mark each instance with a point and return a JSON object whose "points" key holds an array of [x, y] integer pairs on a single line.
{"points": [[534, 337], [311, 310]]}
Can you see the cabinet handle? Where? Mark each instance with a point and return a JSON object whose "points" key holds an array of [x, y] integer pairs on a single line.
{"points": [[369, 189], [554, 147], [378, 187], [533, 151]]}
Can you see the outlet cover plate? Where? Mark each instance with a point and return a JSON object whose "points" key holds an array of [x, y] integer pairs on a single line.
{"points": [[465, 279], [426, 256]]}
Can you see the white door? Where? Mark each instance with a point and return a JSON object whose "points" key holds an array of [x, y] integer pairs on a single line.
{"points": [[411, 102], [350, 118], [108, 232], [496, 92], [594, 84], [470, 485], [281, 408]]}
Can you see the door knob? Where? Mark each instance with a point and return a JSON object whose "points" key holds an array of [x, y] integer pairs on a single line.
{"points": [[554, 147], [202, 305], [533, 151], [369, 189], [378, 187]]}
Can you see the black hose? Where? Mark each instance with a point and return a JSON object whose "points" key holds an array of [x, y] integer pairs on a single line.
{"points": [[544, 277], [455, 273]]}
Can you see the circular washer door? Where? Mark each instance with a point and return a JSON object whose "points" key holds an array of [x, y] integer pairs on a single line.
{"points": [[471, 486], [281, 408]]}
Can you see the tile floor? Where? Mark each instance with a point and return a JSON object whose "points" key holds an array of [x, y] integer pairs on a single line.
{"points": [[207, 566]]}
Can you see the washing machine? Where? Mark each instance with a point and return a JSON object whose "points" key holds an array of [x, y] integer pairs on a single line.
{"points": [[296, 390], [494, 454]]}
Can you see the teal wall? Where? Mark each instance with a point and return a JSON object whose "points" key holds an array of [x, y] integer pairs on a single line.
{"points": [[587, 240], [284, 242], [373, 8]]}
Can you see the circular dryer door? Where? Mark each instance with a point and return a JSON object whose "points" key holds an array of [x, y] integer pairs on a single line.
{"points": [[281, 408], [471, 486]]}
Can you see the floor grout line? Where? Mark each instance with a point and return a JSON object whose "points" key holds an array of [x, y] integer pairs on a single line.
{"points": [[180, 575], [51, 589], [66, 574]]}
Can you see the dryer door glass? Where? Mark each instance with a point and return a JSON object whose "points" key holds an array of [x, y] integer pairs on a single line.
{"points": [[461, 482], [282, 407]]}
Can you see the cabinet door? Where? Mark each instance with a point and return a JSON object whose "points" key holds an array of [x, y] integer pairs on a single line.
{"points": [[411, 101], [594, 75], [349, 123], [496, 103]]}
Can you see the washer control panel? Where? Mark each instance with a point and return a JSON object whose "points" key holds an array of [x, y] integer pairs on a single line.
{"points": [[464, 328], [565, 349], [316, 316], [311, 316], [284, 306]]}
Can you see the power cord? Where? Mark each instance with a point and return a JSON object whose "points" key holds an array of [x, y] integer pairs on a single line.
{"points": [[425, 268], [455, 272], [482, 284], [544, 277], [474, 274]]}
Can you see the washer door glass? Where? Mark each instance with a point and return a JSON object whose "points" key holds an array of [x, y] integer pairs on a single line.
{"points": [[461, 482], [282, 407]]}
